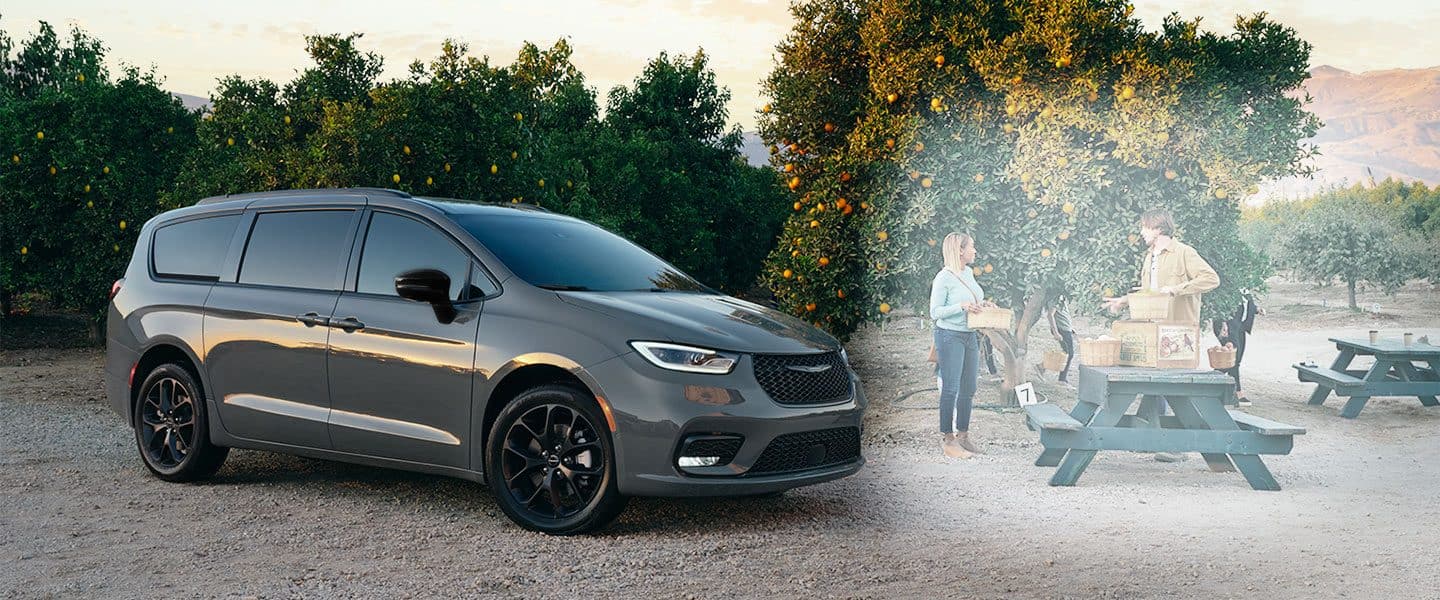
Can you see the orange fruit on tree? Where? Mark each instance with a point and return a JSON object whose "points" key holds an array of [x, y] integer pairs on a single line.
{"points": [[919, 146], [810, 307], [1062, 162], [936, 103], [405, 149], [989, 267], [519, 116], [797, 206], [926, 182], [824, 262], [122, 225], [1221, 194], [1011, 109], [287, 119], [395, 178], [847, 210], [766, 108], [514, 155], [87, 188], [429, 181], [884, 308], [90, 204], [105, 170], [794, 182], [789, 168], [1068, 208], [1127, 92], [839, 293], [39, 135], [1032, 214], [1008, 128], [891, 97], [1093, 96], [931, 242], [494, 168], [1062, 62], [863, 205], [52, 170], [24, 250], [844, 176], [1171, 174], [787, 273], [882, 236], [829, 128], [977, 271], [1064, 235], [939, 60], [814, 224], [842, 203], [1016, 80], [1045, 252], [890, 144], [230, 141], [979, 178], [15, 158], [820, 206], [794, 253]]}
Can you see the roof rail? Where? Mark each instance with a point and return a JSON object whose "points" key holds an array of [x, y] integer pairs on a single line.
{"points": [[300, 193]]}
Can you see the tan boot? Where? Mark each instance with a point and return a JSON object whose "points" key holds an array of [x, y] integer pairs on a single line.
{"points": [[953, 449], [963, 439]]}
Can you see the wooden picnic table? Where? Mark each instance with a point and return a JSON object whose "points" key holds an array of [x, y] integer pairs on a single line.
{"points": [[1227, 439], [1399, 370]]}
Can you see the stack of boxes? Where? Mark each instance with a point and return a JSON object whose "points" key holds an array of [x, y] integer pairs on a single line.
{"points": [[1150, 339]]}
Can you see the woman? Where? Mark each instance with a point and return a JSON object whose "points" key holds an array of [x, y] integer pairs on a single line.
{"points": [[953, 295], [1232, 332]]}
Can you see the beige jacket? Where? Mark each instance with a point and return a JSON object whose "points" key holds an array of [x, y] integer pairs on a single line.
{"points": [[1181, 267]]}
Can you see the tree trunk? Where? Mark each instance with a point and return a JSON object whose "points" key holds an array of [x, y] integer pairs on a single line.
{"points": [[1353, 306], [1013, 348], [4, 303], [96, 330]]}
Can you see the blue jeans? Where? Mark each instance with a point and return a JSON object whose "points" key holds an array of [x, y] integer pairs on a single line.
{"points": [[959, 353]]}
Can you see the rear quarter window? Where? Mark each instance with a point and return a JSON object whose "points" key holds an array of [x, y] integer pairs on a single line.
{"points": [[193, 249]]}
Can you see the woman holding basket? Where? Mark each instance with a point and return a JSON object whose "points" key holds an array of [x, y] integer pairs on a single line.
{"points": [[953, 296]]}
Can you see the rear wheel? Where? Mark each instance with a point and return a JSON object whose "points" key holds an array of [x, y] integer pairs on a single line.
{"points": [[550, 461], [171, 427]]}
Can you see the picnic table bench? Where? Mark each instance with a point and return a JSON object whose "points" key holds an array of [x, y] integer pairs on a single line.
{"points": [[1100, 420], [1399, 370]]}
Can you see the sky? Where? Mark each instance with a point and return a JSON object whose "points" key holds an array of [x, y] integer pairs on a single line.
{"points": [[192, 44]]}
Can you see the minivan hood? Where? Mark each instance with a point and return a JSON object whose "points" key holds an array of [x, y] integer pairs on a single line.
{"points": [[713, 321]]}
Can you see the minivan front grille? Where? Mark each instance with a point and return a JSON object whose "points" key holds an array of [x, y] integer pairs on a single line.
{"points": [[803, 378], [808, 450]]}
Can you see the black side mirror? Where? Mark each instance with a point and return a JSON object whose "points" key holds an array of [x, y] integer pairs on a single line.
{"points": [[431, 286]]}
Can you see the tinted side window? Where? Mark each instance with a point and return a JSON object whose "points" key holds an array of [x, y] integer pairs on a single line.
{"points": [[395, 244], [297, 249], [193, 249]]}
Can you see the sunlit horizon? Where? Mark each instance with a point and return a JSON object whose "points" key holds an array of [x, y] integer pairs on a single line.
{"points": [[192, 45]]}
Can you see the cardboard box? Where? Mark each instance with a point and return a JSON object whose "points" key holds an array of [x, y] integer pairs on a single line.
{"points": [[1161, 345]]}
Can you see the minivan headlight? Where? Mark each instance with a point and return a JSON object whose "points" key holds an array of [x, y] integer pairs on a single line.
{"points": [[690, 359]]}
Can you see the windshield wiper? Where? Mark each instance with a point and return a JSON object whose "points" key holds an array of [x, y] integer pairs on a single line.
{"points": [[563, 288]]}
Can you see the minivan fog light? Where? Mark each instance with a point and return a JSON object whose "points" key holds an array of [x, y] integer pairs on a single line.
{"points": [[699, 461]]}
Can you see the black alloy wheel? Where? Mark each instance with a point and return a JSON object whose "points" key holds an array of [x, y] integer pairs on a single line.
{"points": [[551, 464], [170, 427]]}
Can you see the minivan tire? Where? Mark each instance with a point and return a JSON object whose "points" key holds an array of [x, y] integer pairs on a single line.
{"points": [[550, 461], [172, 428]]}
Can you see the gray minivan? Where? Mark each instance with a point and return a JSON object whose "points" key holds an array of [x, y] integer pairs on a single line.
{"points": [[559, 363]]}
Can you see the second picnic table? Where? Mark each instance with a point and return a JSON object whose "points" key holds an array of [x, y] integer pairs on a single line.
{"points": [[1400, 369], [1227, 439]]}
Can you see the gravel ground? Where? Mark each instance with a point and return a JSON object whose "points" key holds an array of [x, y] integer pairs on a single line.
{"points": [[1357, 516]]}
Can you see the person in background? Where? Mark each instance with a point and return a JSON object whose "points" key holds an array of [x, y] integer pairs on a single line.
{"points": [[1232, 333], [955, 294], [988, 351], [1058, 314]]}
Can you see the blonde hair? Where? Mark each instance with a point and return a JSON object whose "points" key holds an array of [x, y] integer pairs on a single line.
{"points": [[953, 251]]}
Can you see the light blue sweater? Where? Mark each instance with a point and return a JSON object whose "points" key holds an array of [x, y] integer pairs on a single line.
{"points": [[948, 294]]}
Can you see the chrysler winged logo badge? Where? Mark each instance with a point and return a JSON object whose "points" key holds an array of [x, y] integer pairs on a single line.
{"points": [[809, 369]]}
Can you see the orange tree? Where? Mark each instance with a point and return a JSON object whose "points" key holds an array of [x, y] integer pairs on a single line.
{"points": [[1043, 128], [659, 168], [86, 155]]}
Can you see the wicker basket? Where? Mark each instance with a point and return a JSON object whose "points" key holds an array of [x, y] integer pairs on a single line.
{"points": [[1149, 307], [991, 318], [1054, 361], [1222, 357], [1099, 353]]}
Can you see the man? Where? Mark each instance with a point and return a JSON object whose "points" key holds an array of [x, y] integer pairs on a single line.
{"points": [[1061, 329], [1171, 267]]}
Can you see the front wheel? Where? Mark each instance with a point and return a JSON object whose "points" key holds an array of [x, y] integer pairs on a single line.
{"points": [[171, 427], [551, 463]]}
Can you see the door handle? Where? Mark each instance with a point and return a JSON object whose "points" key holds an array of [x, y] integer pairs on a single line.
{"points": [[311, 319], [348, 324]]}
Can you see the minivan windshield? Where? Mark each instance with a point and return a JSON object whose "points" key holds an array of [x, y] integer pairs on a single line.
{"points": [[572, 255]]}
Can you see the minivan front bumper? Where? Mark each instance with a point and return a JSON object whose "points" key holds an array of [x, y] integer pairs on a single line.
{"points": [[656, 411]]}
